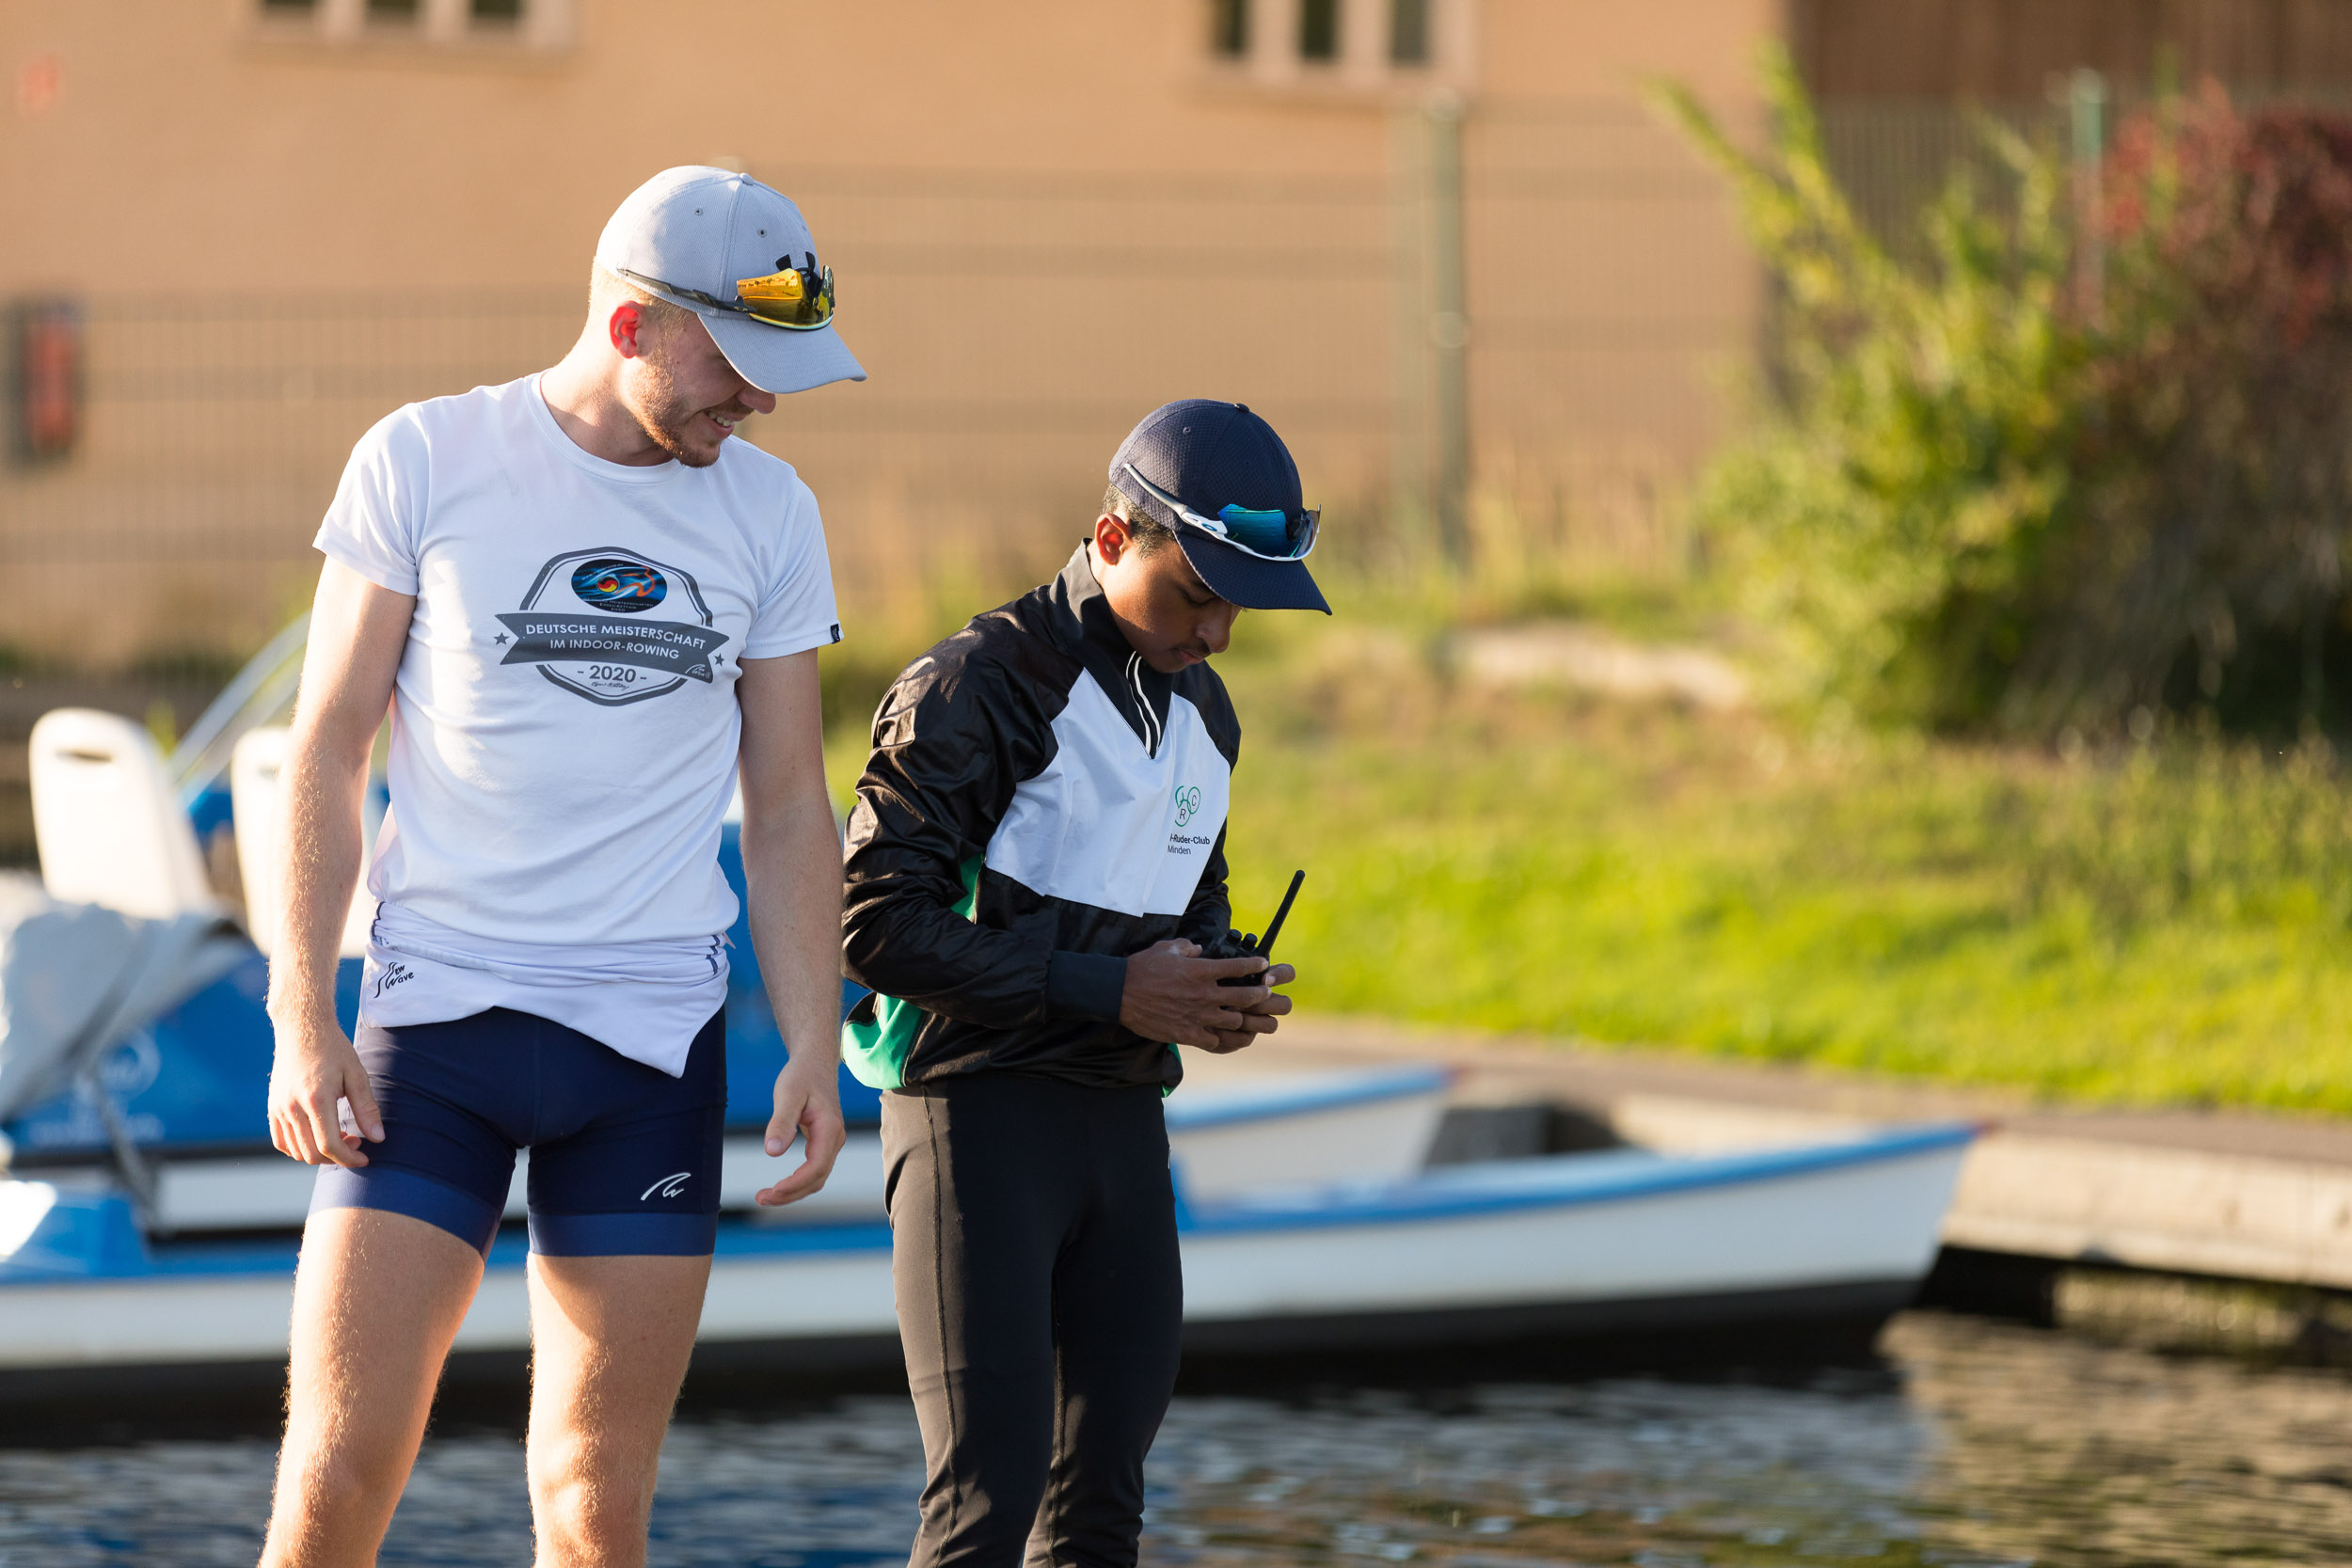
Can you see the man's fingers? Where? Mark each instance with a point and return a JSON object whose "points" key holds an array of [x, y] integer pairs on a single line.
{"points": [[1274, 1005], [782, 1129], [1281, 975], [798, 1185], [1232, 969], [296, 1130], [791, 1107], [297, 1145], [363, 1110], [326, 1134], [821, 1145], [827, 1137], [822, 1138]]}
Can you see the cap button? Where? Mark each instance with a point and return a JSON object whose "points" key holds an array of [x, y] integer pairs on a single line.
{"points": [[1241, 409]]}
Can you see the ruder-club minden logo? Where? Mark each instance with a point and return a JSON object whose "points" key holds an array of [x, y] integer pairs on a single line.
{"points": [[1187, 803], [608, 652]]}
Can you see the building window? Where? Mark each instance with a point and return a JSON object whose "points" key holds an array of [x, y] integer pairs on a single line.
{"points": [[1319, 30], [528, 25], [1409, 32], [1228, 28], [1328, 47]]}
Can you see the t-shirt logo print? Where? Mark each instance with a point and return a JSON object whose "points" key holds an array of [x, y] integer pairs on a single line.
{"points": [[611, 656], [1187, 803], [617, 582]]}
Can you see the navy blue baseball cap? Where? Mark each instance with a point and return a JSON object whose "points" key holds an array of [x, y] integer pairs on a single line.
{"points": [[1218, 476]]}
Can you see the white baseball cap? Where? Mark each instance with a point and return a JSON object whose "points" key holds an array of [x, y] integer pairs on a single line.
{"points": [[692, 234]]}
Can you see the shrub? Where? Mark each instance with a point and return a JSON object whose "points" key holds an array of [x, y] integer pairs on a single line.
{"points": [[1977, 505], [2222, 522]]}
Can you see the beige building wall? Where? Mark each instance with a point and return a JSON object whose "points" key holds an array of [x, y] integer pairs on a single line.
{"points": [[1046, 215]]}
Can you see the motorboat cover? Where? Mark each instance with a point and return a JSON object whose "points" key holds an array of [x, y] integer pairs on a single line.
{"points": [[75, 979]]}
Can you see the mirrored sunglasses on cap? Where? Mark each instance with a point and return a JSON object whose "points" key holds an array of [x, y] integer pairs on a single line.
{"points": [[1267, 535], [799, 299]]}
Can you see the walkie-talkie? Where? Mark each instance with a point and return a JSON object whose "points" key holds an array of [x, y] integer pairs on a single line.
{"points": [[1233, 944]]}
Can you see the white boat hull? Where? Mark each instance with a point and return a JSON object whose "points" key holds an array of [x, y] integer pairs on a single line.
{"points": [[1828, 1226], [1584, 1239]]}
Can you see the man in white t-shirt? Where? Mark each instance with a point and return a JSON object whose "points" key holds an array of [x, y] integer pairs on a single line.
{"points": [[591, 612]]}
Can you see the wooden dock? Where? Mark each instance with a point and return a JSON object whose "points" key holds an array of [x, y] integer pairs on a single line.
{"points": [[2230, 1194]]}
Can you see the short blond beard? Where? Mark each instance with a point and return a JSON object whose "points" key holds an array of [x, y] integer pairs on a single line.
{"points": [[658, 322]]}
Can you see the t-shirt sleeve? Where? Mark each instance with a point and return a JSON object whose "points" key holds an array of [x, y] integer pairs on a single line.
{"points": [[378, 511], [797, 613]]}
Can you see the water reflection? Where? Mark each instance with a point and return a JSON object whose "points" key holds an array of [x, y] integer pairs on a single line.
{"points": [[1981, 1442]]}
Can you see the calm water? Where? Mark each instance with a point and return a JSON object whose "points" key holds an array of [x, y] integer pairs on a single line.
{"points": [[1981, 1442]]}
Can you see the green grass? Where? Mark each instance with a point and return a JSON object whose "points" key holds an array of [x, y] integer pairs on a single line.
{"points": [[2155, 925]]}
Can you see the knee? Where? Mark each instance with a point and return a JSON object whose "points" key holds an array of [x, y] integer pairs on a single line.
{"points": [[329, 1498], [585, 1511], [1089, 1521], [979, 1512], [993, 1534], [343, 1478]]}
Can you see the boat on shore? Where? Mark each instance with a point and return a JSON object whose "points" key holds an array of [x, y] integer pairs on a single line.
{"points": [[148, 1234], [1562, 1245]]}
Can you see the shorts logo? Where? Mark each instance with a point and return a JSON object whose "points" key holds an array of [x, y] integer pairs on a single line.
{"points": [[669, 1186], [617, 582], [1187, 803], [606, 653]]}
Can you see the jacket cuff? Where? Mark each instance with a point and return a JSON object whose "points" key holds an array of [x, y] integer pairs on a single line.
{"points": [[1085, 985]]}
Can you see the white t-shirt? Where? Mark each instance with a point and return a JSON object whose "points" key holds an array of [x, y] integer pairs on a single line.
{"points": [[565, 726]]}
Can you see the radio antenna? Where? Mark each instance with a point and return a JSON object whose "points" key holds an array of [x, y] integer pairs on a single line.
{"points": [[1265, 944]]}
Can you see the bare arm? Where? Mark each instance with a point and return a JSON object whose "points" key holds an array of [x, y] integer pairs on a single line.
{"points": [[357, 631], [792, 878]]}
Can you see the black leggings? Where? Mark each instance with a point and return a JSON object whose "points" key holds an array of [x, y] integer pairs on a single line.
{"points": [[1040, 1301]]}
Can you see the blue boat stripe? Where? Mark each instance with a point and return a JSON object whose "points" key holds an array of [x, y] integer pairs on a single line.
{"points": [[1307, 1098], [1321, 1211], [741, 1239]]}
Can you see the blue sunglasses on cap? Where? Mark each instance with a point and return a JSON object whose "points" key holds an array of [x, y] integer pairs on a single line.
{"points": [[1268, 535]]}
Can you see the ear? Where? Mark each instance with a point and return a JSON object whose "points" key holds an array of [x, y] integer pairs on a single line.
{"points": [[1111, 539], [624, 324]]}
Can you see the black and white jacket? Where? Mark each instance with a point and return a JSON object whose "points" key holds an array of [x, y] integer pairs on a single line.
{"points": [[1036, 764]]}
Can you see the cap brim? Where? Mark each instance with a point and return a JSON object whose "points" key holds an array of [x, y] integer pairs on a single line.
{"points": [[1248, 580], [778, 359]]}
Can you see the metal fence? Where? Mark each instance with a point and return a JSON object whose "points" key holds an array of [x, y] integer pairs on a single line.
{"points": [[1894, 156], [1524, 328]]}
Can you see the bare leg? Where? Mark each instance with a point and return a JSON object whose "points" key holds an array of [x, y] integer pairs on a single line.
{"points": [[610, 1338], [378, 1299]]}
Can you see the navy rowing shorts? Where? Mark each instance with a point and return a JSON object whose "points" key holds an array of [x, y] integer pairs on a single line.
{"points": [[624, 1158]]}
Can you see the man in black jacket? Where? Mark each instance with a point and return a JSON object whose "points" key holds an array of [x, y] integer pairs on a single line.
{"points": [[1036, 861]]}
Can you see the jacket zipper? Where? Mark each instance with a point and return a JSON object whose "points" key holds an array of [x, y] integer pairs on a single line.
{"points": [[1143, 702]]}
